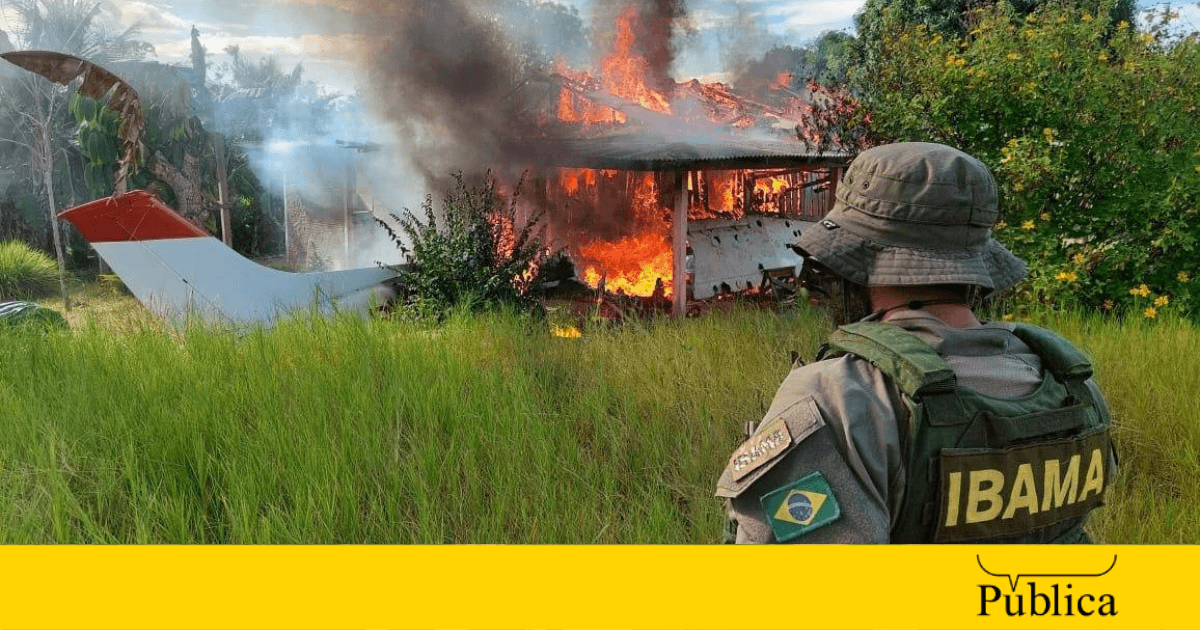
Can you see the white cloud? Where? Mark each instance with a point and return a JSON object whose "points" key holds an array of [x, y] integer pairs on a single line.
{"points": [[1189, 17], [802, 16], [150, 17]]}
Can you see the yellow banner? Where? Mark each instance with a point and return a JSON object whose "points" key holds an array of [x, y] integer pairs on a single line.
{"points": [[610, 588]]}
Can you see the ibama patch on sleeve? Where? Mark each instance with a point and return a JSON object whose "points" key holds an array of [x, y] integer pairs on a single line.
{"points": [[770, 443], [771, 440]]}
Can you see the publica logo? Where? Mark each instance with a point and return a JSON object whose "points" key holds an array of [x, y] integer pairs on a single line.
{"points": [[1055, 595]]}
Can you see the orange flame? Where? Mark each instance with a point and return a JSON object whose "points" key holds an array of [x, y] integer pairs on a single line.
{"points": [[724, 191], [771, 186], [625, 72], [768, 193], [633, 264], [571, 179]]}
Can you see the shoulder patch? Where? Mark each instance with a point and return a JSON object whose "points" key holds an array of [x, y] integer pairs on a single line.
{"points": [[771, 440], [774, 438], [801, 507]]}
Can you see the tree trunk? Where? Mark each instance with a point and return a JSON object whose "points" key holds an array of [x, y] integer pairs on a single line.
{"points": [[218, 141], [186, 184], [47, 162]]}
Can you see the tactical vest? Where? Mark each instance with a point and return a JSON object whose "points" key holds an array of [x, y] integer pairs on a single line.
{"points": [[989, 470]]}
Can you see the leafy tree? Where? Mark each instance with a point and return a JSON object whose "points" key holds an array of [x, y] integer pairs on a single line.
{"points": [[949, 18], [829, 58], [34, 110], [199, 172], [1090, 127]]}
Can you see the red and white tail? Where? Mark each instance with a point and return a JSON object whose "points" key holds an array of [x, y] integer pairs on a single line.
{"points": [[177, 270]]}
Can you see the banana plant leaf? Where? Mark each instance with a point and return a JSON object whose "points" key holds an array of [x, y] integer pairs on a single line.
{"points": [[98, 83]]}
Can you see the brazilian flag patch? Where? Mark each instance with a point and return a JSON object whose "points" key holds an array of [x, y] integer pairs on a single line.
{"points": [[800, 507]]}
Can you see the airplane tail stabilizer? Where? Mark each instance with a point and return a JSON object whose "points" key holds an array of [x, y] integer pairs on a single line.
{"points": [[178, 270]]}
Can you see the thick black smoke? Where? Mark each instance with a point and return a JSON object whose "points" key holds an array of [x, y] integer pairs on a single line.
{"points": [[452, 75], [447, 78]]}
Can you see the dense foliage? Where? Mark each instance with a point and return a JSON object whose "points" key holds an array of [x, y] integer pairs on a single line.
{"points": [[25, 272], [477, 255], [1090, 127]]}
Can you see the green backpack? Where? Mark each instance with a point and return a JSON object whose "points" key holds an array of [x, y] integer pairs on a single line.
{"points": [[990, 470]]}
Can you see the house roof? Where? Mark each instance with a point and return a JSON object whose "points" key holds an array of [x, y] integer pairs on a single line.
{"points": [[652, 141], [685, 148]]}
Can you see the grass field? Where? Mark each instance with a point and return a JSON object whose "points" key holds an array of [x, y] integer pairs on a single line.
{"points": [[481, 430]]}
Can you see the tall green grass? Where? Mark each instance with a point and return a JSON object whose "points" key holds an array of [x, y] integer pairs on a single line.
{"points": [[485, 429], [1150, 374], [25, 272]]}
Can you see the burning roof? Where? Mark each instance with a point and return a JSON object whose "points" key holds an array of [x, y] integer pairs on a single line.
{"points": [[682, 148]]}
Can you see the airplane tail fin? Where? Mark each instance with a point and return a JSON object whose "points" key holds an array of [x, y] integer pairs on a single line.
{"points": [[178, 270]]}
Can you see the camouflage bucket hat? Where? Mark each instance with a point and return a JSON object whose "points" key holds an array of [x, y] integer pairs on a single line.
{"points": [[914, 213]]}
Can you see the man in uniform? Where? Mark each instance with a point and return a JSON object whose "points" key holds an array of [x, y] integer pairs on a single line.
{"points": [[919, 423]]}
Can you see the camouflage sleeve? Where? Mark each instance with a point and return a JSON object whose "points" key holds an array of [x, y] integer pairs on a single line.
{"points": [[825, 464]]}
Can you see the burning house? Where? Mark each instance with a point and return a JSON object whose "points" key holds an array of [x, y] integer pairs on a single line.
{"points": [[653, 187], [687, 189], [684, 189], [711, 214]]}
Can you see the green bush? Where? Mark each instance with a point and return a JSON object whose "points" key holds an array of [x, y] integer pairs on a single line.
{"points": [[1089, 126], [475, 256], [26, 272]]}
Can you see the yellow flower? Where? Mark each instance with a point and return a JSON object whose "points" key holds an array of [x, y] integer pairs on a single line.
{"points": [[1079, 259], [1028, 225], [1151, 313], [1067, 276], [1102, 57], [1013, 56], [1162, 301], [1000, 226], [1123, 24], [1087, 17], [567, 332], [1108, 305], [1142, 291], [1032, 85], [1018, 187], [1183, 276], [1048, 132], [1045, 216]]}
